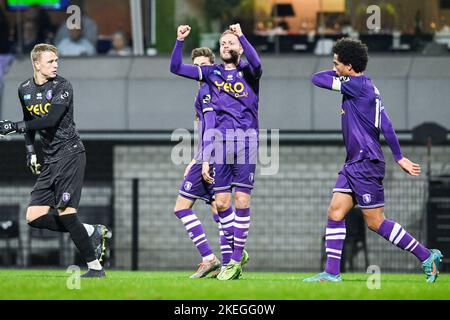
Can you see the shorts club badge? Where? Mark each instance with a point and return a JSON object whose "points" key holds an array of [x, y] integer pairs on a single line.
{"points": [[66, 197]]}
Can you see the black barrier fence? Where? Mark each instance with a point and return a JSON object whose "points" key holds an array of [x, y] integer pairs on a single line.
{"points": [[286, 233]]}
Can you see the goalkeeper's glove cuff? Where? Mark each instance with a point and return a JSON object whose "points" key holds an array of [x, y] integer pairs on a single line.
{"points": [[21, 127], [30, 148]]}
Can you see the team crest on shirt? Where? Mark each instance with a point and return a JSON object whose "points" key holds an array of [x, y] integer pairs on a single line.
{"points": [[187, 185], [66, 197], [48, 95], [239, 74], [206, 98], [367, 198]]}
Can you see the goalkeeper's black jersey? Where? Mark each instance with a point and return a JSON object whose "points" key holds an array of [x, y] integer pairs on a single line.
{"points": [[63, 139]]}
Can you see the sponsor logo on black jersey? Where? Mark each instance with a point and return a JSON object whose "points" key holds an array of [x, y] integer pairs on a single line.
{"points": [[39, 109], [65, 95]]}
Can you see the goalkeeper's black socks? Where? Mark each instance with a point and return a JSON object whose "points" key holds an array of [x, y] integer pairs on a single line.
{"points": [[79, 236], [48, 221]]}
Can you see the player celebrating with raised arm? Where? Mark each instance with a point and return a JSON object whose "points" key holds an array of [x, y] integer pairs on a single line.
{"points": [[234, 88], [47, 105], [361, 178], [197, 186]]}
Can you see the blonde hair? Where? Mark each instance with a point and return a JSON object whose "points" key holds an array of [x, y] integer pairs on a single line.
{"points": [[203, 52], [228, 32], [41, 48]]}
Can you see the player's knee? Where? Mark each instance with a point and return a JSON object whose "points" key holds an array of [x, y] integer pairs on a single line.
{"points": [[223, 204], [242, 201], [373, 224], [335, 214]]}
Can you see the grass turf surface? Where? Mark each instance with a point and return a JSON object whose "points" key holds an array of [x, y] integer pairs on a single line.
{"points": [[51, 284]]}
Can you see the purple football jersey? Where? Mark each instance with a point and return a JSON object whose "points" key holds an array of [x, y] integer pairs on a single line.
{"points": [[235, 97], [360, 117], [363, 116]]}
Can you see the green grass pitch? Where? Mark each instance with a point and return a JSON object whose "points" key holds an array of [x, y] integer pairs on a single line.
{"points": [[52, 284]]}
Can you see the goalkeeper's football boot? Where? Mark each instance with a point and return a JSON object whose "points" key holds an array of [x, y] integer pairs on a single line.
{"points": [[324, 277], [431, 265], [205, 268], [94, 274], [98, 238], [232, 271]]}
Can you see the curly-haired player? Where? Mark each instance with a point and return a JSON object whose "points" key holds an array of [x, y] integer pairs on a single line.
{"points": [[360, 180]]}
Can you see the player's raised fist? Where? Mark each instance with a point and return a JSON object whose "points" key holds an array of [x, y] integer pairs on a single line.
{"points": [[183, 31], [236, 29]]}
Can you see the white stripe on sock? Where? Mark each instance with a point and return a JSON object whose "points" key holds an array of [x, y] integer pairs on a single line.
{"points": [[335, 257], [197, 244], [414, 246], [229, 225], [188, 218], [193, 224], [410, 244], [334, 230], [242, 226], [336, 237], [394, 231], [198, 238], [400, 236], [333, 250], [239, 245], [237, 218], [227, 218]]}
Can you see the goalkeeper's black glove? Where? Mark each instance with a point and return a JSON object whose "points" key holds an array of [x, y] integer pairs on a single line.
{"points": [[8, 127], [32, 163]]}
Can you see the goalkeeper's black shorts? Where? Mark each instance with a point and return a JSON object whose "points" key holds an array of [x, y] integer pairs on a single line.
{"points": [[59, 184]]}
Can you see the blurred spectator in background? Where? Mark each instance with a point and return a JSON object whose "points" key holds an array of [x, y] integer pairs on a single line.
{"points": [[120, 45], [42, 21], [76, 44], [30, 36], [90, 28], [4, 33]]}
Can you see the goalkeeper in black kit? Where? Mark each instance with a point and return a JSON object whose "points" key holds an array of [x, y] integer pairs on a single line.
{"points": [[47, 104]]}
